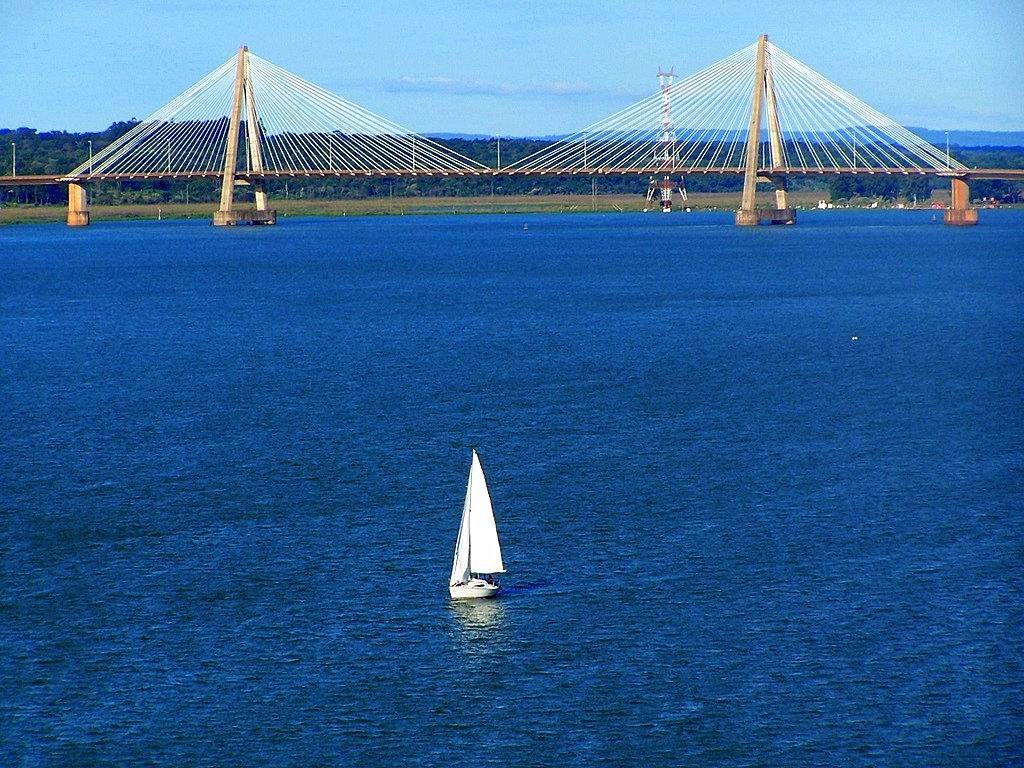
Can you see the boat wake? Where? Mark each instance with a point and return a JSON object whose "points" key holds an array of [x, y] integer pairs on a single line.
{"points": [[518, 590]]}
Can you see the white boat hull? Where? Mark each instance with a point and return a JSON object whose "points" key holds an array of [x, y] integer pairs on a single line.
{"points": [[475, 588]]}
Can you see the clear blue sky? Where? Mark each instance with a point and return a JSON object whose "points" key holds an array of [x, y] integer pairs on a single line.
{"points": [[515, 67]]}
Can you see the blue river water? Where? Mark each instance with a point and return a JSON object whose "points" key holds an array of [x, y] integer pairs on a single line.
{"points": [[759, 492]]}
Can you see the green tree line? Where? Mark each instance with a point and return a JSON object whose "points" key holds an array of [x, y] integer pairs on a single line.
{"points": [[57, 152]]}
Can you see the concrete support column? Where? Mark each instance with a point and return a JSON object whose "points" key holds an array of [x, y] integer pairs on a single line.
{"points": [[780, 192], [260, 191], [960, 213], [78, 206]]}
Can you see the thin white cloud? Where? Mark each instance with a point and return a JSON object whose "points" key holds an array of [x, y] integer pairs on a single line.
{"points": [[456, 87]]}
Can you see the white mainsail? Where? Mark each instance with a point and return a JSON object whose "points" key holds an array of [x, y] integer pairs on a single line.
{"points": [[484, 551], [477, 549]]}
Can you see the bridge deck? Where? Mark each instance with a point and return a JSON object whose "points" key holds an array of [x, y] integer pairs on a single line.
{"points": [[1009, 174]]}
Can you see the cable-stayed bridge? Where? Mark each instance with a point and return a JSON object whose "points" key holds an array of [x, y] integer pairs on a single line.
{"points": [[759, 113]]}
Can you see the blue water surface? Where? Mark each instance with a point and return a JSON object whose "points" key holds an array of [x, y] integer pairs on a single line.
{"points": [[233, 464]]}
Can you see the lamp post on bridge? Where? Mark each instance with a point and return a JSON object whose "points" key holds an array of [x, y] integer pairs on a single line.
{"points": [[14, 159]]}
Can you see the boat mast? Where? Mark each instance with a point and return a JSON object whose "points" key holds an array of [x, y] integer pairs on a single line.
{"points": [[469, 522]]}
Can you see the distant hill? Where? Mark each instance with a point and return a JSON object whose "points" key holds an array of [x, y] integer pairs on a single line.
{"points": [[971, 138], [938, 138], [481, 136], [463, 136]]}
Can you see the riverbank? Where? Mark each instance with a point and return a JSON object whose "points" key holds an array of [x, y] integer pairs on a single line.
{"points": [[397, 206], [418, 206]]}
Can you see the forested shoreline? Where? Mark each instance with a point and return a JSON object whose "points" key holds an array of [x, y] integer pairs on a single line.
{"points": [[57, 152]]}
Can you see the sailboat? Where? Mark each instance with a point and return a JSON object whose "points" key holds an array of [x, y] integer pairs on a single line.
{"points": [[477, 551]]}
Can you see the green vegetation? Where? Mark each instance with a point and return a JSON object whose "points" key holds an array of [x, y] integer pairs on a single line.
{"points": [[397, 206], [58, 152]]}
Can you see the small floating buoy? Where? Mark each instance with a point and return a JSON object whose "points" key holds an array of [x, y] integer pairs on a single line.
{"points": [[855, 338], [525, 227]]}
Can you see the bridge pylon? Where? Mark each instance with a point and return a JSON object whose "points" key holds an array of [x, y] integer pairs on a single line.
{"points": [[763, 99], [227, 215]]}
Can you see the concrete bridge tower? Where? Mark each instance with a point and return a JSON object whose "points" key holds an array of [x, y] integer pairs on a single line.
{"points": [[763, 95], [227, 215]]}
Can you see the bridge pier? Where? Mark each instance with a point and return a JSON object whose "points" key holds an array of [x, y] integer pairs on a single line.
{"points": [[234, 217], [960, 213], [765, 216], [780, 193], [78, 206], [780, 214]]}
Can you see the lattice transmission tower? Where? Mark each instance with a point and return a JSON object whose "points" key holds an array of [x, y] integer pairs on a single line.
{"points": [[666, 153]]}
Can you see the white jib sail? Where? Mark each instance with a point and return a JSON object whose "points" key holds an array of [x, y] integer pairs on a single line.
{"points": [[460, 565], [477, 549]]}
